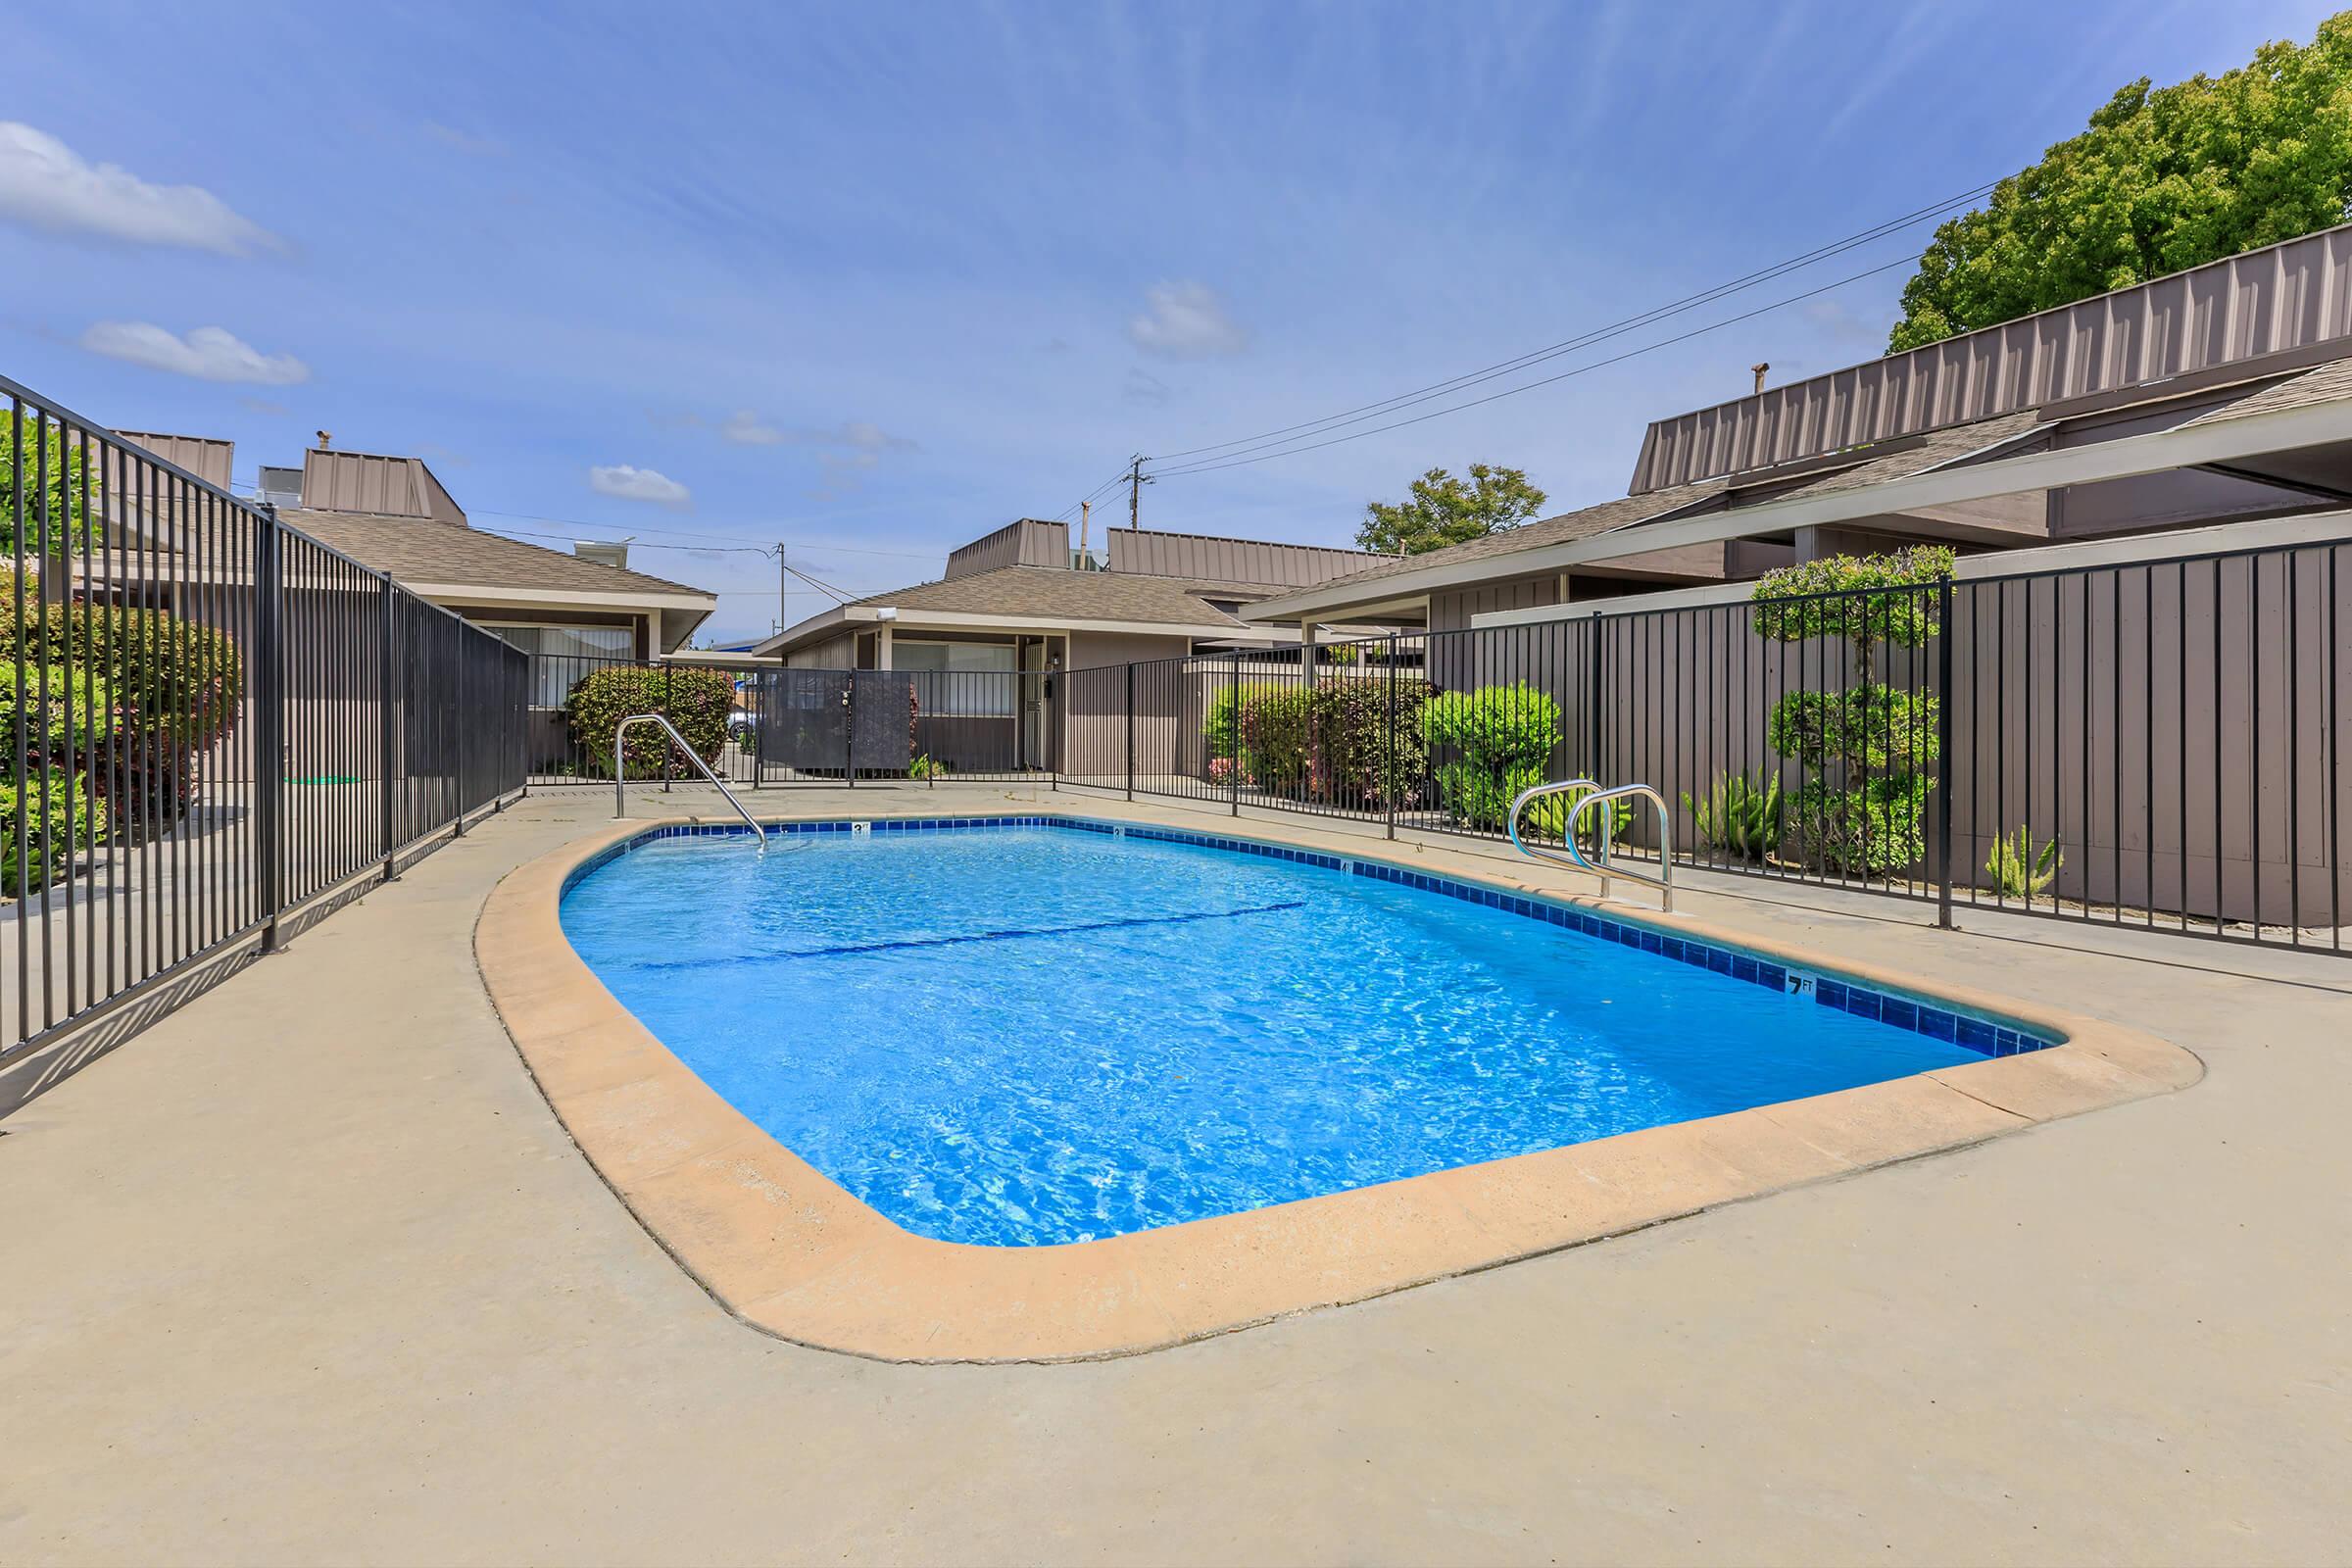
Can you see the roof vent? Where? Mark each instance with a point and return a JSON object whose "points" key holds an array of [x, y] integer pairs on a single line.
{"points": [[603, 551], [281, 487]]}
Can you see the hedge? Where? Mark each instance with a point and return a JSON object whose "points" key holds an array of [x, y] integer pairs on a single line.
{"points": [[1327, 742], [55, 810], [696, 701], [1502, 739]]}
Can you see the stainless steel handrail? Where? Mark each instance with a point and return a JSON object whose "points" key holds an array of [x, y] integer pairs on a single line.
{"points": [[620, 773], [1663, 882]]}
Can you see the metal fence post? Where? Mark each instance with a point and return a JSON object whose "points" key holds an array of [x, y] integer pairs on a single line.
{"points": [[1131, 732], [668, 690], [1235, 769], [1392, 773], [457, 736], [387, 666], [1943, 749], [270, 773]]}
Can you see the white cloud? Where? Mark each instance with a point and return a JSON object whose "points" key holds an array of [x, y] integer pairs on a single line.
{"points": [[746, 430], [1186, 321], [208, 353], [625, 483], [45, 184], [857, 443]]}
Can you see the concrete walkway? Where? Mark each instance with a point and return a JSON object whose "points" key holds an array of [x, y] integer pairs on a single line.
{"points": [[308, 1273]]}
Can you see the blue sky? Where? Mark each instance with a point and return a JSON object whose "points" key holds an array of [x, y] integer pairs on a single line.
{"points": [[875, 279]]}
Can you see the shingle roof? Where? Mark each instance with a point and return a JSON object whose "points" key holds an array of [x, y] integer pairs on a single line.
{"points": [[1050, 593], [2326, 383], [1620, 512], [422, 550]]}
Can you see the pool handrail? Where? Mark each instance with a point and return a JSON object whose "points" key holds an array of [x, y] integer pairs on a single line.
{"points": [[620, 773], [1594, 795]]}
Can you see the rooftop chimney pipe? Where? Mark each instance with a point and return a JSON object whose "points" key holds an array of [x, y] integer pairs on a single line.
{"points": [[1758, 369]]}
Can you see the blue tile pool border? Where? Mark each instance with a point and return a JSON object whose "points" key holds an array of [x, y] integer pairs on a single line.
{"points": [[1986, 1034]]}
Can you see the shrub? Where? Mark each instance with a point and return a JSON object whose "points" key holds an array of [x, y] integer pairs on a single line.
{"points": [[1503, 738], [55, 811], [1217, 725], [175, 685], [1862, 746], [694, 700], [1871, 729], [1278, 738], [2017, 872], [1740, 819], [1362, 762], [1869, 829], [926, 767]]}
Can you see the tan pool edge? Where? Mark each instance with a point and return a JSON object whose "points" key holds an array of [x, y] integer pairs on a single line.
{"points": [[791, 1252]]}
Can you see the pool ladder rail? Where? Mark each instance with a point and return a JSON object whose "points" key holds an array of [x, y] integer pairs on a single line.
{"points": [[1594, 794], [620, 780]]}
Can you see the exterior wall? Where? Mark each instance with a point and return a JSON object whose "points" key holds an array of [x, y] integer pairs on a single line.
{"points": [[1235, 560], [2289, 299], [1026, 542], [838, 652], [362, 481], [1094, 708]]}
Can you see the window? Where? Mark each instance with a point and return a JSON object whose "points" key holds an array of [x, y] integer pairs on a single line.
{"points": [[960, 680], [562, 654]]}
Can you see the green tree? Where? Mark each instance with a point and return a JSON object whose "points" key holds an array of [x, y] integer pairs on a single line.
{"points": [[1446, 510], [22, 443], [2164, 179]]}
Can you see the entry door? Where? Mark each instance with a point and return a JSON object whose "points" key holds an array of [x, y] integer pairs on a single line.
{"points": [[1033, 702]]}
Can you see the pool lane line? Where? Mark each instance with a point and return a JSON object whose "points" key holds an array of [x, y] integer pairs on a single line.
{"points": [[852, 949]]}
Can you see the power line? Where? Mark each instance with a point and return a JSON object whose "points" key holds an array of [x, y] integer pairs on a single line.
{"points": [[1588, 339], [1238, 462]]}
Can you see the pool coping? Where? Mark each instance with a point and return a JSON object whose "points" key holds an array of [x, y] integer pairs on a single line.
{"points": [[791, 1252]]}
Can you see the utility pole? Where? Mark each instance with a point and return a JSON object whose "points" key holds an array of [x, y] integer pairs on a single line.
{"points": [[1084, 511], [783, 581], [1136, 480]]}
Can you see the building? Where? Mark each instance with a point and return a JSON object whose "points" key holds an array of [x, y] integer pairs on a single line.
{"points": [[982, 646], [2217, 395]]}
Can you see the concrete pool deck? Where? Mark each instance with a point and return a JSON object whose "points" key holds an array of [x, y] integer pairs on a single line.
{"points": [[788, 1250], [309, 1272]]}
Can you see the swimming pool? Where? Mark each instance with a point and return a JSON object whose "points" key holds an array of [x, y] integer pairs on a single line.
{"points": [[1030, 1030]]}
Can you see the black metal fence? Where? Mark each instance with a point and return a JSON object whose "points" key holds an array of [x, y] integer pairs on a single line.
{"points": [[2146, 743], [213, 720], [761, 726]]}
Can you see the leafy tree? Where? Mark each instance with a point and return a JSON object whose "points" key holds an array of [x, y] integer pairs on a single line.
{"points": [[1446, 510], [2163, 179], [22, 444]]}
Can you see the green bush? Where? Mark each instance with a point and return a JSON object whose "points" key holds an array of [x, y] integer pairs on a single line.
{"points": [[1362, 761], [696, 701], [1327, 742], [1870, 729], [1278, 739], [1502, 738], [1740, 819], [175, 684], [1217, 726], [57, 822], [55, 813], [1871, 829], [1864, 746], [1790, 609]]}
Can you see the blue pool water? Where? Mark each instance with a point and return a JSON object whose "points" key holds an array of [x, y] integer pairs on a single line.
{"points": [[1027, 1035]]}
